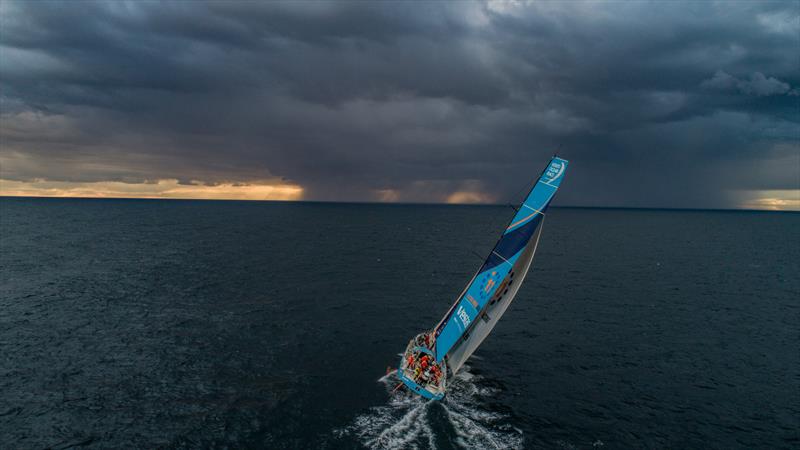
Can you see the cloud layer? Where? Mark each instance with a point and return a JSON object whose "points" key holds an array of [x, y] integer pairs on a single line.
{"points": [[656, 104]]}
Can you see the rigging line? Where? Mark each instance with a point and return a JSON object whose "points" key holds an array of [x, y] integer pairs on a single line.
{"points": [[527, 185], [478, 255]]}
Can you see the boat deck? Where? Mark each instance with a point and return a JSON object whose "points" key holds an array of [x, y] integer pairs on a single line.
{"points": [[422, 382]]}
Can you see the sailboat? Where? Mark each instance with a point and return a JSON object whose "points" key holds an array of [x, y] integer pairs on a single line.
{"points": [[435, 356]]}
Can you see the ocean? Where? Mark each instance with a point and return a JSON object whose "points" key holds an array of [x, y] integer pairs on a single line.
{"points": [[205, 324]]}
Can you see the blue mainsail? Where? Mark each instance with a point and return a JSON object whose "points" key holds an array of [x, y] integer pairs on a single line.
{"points": [[500, 261]]}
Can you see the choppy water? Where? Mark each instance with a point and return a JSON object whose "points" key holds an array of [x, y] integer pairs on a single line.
{"points": [[231, 324]]}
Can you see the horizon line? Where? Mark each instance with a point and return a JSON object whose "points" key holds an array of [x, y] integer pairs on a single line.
{"points": [[367, 202]]}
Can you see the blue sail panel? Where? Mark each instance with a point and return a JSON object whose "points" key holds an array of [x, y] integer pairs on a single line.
{"points": [[540, 195], [500, 260]]}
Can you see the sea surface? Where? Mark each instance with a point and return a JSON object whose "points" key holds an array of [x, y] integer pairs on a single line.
{"points": [[202, 324]]}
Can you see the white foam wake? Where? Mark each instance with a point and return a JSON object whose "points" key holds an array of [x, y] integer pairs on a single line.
{"points": [[408, 421]]}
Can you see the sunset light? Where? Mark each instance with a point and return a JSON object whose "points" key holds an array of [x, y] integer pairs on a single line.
{"points": [[161, 189]]}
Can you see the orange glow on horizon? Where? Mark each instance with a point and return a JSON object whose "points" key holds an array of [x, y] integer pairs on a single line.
{"points": [[387, 195], [469, 197], [771, 200], [161, 189]]}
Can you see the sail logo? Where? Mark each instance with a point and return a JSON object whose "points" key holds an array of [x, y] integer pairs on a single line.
{"points": [[555, 170], [487, 283], [462, 314]]}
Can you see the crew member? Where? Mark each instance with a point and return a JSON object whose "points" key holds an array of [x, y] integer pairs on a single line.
{"points": [[436, 374]]}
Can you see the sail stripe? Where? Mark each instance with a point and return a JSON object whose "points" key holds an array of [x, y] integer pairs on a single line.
{"points": [[529, 207], [547, 184], [501, 257], [522, 220]]}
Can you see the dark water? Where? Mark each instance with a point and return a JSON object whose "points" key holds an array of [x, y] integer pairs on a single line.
{"points": [[225, 324]]}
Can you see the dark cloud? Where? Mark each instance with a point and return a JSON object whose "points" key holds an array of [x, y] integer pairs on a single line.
{"points": [[656, 104], [758, 84]]}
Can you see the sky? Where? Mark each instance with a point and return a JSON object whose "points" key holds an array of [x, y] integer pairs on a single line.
{"points": [[655, 104]]}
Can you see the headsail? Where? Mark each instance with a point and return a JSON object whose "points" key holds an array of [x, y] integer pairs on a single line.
{"points": [[512, 252]]}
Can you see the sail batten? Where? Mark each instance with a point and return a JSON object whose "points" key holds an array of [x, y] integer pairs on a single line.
{"points": [[513, 251]]}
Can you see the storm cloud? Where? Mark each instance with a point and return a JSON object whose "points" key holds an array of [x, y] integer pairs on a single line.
{"points": [[663, 104]]}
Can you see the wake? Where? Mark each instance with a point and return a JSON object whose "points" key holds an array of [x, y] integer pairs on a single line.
{"points": [[409, 421]]}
